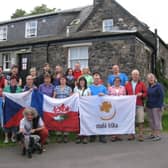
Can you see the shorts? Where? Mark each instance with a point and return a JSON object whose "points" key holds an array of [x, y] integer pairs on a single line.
{"points": [[155, 118], [140, 114]]}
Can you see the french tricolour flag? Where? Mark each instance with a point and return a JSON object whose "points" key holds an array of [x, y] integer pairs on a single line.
{"points": [[58, 114]]}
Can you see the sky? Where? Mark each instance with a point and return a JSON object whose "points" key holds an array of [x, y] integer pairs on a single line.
{"points": [[151, 12]]}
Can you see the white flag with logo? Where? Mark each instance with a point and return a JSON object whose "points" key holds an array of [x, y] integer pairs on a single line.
{"points": [[106, 115]]}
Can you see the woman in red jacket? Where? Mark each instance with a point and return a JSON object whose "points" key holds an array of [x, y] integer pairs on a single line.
{"points": [[137, 87]]}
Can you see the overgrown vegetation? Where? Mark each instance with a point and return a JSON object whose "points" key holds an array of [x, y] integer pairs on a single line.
{"points": [[37, 10]]}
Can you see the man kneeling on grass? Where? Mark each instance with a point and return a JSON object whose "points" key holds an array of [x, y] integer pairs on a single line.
{"points": [[33, 129]]}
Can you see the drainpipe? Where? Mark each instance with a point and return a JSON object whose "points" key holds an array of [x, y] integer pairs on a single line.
{"points": [[156, 55], [47, 59]]}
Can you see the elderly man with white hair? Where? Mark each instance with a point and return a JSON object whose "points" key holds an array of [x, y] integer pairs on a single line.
{"points": [[136, 87]]}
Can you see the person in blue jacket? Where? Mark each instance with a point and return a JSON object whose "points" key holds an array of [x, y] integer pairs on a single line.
{"points": [[155, 98]]}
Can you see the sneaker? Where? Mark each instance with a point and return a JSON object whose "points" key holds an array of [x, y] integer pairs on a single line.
{"points": [[151, 136], [78, 140], [6, 141], [156, 138], [13, 139], [102, 139], [44, 150]]}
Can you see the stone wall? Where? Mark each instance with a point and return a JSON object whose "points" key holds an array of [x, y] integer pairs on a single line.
{"points": [[39, 56], [104, 54], [163, 57], [128, 53], [109, 9], [58, 55]]}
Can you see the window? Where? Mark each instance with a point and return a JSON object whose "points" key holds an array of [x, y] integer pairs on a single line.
{"points": [[78, 54], [31, 29], [3, 33], [107, 25], [6, 61]]}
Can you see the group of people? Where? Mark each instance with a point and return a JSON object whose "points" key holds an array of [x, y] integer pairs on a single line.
{"points": [[57, 84]]}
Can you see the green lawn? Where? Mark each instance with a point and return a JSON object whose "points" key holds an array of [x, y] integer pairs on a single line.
{"points": [[72, 135]]}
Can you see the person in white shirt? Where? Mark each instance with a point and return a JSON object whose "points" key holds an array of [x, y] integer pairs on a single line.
{"points": [[32, 126], [82, 90]]}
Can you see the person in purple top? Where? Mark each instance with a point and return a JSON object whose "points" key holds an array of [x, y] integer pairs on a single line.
{"points": [[155, 98], [47, 88], [98, 89]]}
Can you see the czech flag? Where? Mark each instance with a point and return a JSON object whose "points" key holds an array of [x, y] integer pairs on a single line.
{"points": [[14, 105]]}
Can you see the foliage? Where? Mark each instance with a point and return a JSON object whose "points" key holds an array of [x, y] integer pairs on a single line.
{"points": [[160, 75], [164, 121], [37, 10], [18, 13], [41, 9]]}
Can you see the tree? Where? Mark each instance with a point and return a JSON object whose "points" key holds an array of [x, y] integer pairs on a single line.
{"points": [[41, 9], [37, 10], [18, 13]]}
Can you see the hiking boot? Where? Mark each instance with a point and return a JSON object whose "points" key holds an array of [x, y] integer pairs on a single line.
{"points": [[92, 138], [24, 151], [102, 139], [59, 139], [84, 141], [131, 137], [140, 138], [113, 139], [29, 154]]}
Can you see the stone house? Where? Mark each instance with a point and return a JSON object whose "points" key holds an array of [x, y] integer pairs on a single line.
{"points": [[97, 36]]}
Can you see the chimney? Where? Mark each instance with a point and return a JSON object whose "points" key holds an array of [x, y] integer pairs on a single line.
{"points": [[97, 2]]}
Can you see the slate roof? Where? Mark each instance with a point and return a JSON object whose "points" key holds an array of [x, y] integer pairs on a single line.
{"points": [[65, 18]]}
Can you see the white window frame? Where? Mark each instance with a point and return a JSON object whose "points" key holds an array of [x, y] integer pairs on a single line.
{"points": [[108, 25], [31, 31], [6, 58], [78, 59], [3, 33]]}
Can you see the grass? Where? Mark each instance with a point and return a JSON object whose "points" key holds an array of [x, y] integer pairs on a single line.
{"points": [[165, 121], [72, 136]]}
